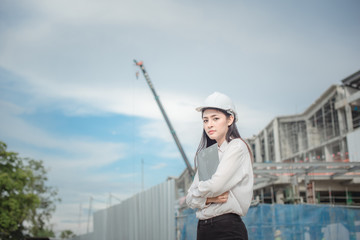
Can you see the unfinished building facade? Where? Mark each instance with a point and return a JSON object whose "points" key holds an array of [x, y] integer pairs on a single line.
{"points": [[328, 131]]}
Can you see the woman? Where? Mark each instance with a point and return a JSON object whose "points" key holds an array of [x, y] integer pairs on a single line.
{"points": [[226, 196]]}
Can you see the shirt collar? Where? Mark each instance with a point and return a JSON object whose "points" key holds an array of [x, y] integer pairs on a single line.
{"points": [[223, 146]]}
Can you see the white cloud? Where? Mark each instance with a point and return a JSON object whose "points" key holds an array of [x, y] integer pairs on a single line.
{"points": [[158, 166], [10, 108], [72, 175], [84, 152], [76, 56], [108, 12], [62, 64]]}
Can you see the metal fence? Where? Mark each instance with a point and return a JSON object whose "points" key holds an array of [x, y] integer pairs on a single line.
{"points": [[147, 215]]}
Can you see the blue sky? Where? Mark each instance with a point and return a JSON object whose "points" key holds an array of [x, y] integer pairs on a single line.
{"points": [[69, 95]]}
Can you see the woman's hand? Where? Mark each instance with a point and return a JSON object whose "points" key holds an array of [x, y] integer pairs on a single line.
{"points": [[219, 199]]}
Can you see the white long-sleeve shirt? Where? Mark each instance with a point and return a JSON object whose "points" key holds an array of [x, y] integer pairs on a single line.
{"points": [[234, 174]]}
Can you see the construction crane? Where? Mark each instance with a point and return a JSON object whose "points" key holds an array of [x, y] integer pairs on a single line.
{"points": [[173, 133]]}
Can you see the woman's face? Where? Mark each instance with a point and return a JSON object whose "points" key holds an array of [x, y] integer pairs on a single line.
{"points": [[216, 124]]}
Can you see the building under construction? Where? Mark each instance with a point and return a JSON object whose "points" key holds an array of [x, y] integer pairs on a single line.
{"points": [[307, 166], [313, 156]]}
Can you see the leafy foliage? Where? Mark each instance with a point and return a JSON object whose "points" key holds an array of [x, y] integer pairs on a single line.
{"points": [[66, 234], [26, 203]]}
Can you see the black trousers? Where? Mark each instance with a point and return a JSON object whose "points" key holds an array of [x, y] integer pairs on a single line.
{"points": [[223, 227]]}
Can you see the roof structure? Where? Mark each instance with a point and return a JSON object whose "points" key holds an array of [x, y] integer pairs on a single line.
{"points": [[270, 173], [353, 81]]}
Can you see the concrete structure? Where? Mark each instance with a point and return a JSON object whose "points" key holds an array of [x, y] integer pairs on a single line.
{"points": [[327, 131]]}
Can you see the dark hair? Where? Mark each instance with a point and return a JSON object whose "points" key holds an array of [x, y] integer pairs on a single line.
{"points": [[205, 141]]}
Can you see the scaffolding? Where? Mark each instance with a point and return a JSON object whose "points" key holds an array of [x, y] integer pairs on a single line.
{"points": [[296, 182]]}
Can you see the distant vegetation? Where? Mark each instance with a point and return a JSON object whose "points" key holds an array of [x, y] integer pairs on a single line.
{"points": [[26, 202], [67, 234]]}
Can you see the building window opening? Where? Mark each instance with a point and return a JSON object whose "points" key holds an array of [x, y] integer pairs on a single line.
{"points": [[318, 155], [355, 112], [262, 149], [253, 150], [320, 124], [338, 197], [271, 146], [336, 153]]}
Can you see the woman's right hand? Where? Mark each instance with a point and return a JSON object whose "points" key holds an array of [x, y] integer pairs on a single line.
{"points": [[219, 199]]}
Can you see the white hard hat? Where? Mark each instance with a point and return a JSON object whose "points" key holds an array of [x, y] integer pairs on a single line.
{"points": [[220, 101]]}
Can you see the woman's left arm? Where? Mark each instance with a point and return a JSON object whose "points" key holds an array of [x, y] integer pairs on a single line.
{"points": [[234, 166]]}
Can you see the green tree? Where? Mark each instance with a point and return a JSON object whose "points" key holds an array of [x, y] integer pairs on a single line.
{"points": [[26, 203], [66, 234]]}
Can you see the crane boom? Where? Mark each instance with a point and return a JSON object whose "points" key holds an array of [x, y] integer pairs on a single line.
{"points": [[173, 133]]}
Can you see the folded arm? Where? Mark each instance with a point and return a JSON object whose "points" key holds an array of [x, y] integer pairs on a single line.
{"points": [[195, 201], [229, 173]]}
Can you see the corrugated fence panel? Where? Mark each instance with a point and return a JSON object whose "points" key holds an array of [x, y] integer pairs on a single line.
{"points": [[146, 216]]}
